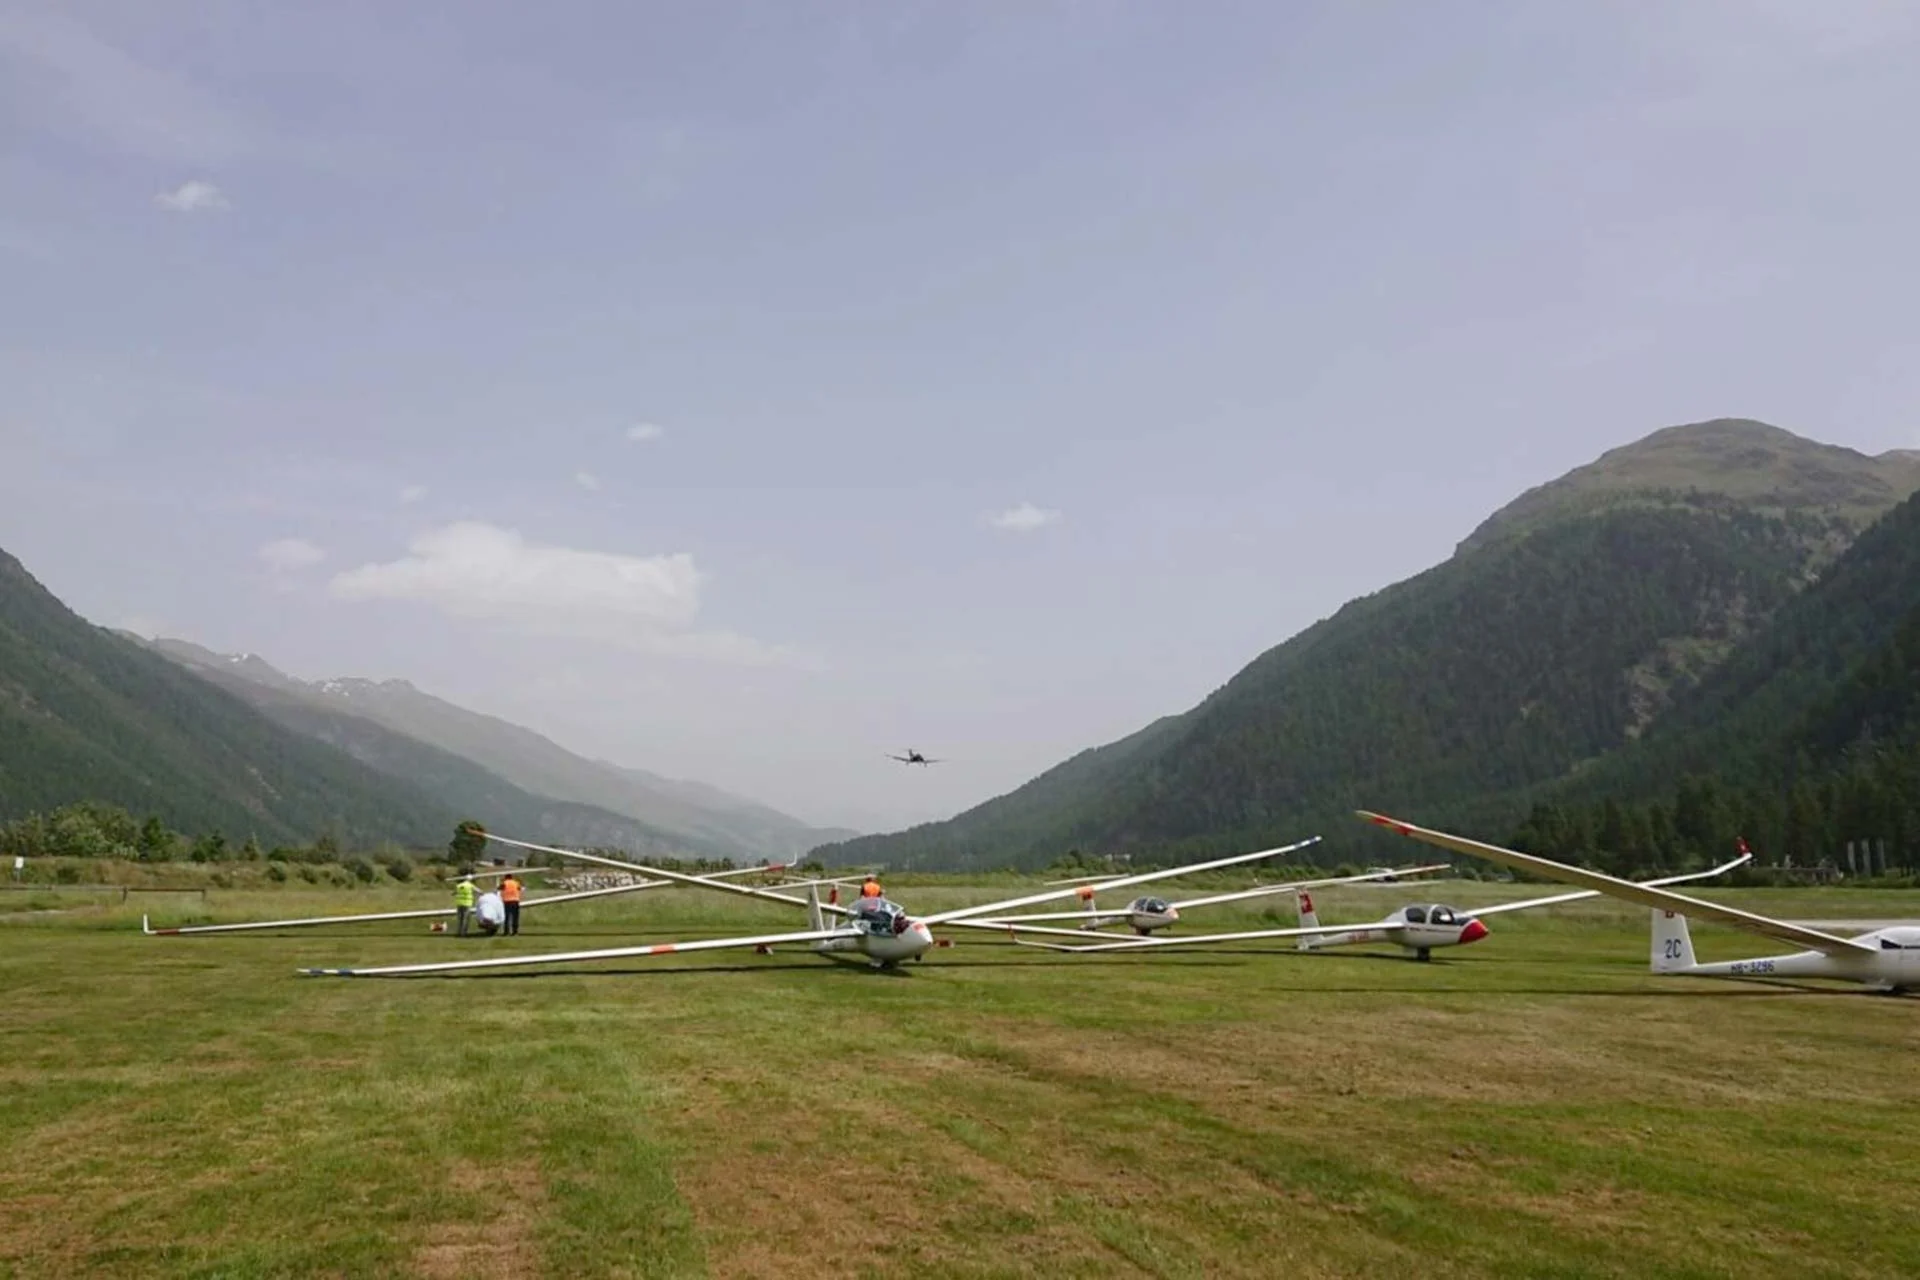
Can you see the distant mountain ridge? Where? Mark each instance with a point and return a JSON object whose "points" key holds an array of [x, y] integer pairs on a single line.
{"points": [[694, 815], [1565, 627], [86, 715]]}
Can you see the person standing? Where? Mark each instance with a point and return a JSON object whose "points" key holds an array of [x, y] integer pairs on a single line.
{"points": [[871, 889], [510, 898], [463, 901]]}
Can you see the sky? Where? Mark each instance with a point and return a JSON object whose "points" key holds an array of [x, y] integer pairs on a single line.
{"points": [[744, 392]]}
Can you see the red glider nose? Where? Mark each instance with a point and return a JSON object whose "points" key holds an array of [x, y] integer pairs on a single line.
{"points": [[1473, 932]]}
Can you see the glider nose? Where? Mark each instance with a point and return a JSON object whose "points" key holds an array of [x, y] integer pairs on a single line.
{"points": [[1473, 932], [920, 934]]}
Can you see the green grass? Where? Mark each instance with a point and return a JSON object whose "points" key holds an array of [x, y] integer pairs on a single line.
{"points": [[1537, 1104]]}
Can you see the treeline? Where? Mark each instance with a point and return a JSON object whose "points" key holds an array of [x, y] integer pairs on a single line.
{"points": [[92, 829], [1863, 820]]}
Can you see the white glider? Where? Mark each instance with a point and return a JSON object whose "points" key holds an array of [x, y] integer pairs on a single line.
{"points": [[426, 913], [368, 917], [881, 930], [1883, 959], [1417, 927], [1146, 914]]}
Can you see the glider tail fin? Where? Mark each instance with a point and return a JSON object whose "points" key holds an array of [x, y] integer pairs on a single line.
{"points": [[1309, 918], [1672, 944]]}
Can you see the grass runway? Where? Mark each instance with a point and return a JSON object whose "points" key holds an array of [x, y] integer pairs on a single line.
{"points": [[1536, 1104]]}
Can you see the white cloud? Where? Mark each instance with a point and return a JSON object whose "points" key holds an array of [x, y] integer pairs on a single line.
{"points": [[484, 572], [472, 569], [77, 84], [192, 197], [586, 479], [1024, 518], [413, 493], [289, 554], [646, 431]]}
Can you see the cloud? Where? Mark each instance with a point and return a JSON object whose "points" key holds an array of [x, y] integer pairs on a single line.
{"points": [[483, 572], [192, 197], [289, 554], [646, 431], [413, 493], [1024, 518], [586, 480], [79, 84]]}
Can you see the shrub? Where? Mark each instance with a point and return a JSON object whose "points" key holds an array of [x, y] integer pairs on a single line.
{"points": [[362, 870]]}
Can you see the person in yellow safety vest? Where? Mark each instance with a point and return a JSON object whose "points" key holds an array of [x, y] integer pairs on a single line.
{"points": [[510, 898], [871, 889], [463, 901]]}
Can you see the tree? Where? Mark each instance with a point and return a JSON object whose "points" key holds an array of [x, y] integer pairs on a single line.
{"points": [[468, 843], [156, 842]]}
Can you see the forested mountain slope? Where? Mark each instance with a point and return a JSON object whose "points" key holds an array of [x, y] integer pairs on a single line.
{"points": [[1806, 741], [87, 715], [1562, 630], [1782, 693]]}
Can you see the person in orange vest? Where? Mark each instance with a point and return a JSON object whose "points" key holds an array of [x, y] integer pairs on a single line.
{"points": [[510, 898], [871, 889]]}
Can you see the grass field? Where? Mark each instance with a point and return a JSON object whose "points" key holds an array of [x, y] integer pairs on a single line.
{"points": [[1536, 1104]]}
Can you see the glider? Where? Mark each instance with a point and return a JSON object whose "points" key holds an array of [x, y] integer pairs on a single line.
{"points": [[1417, 927], [1146, 914], [881, 930], [1886, 959], [426, 913]]}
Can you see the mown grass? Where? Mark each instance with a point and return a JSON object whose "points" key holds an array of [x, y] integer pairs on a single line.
{"points": [[1537, 1104]]}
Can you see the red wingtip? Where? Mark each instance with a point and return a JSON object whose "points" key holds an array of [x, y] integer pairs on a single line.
{"points": [[1473, 932], [1381, 819], [1740, 842]]}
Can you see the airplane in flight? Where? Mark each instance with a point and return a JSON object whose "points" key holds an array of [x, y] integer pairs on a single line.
{"points": [[1417, 927], [914, 757], [883, 931], [1883, 959]]}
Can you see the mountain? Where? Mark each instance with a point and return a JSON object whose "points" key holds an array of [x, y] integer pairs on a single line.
{"points": [[86, 715], [1761, 467], [1833, 672], [452, 781], [1806, 741], [688, 815], [1566, 627]]}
